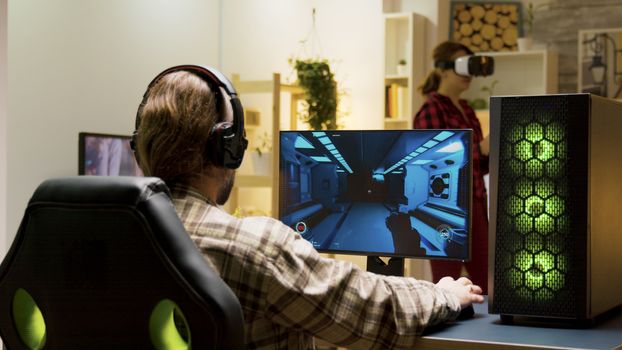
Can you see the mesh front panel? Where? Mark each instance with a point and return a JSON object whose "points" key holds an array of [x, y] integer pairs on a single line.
{"points": [[541, 208]]}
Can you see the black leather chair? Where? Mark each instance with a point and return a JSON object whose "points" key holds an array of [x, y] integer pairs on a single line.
{"points": [[105, 262]]}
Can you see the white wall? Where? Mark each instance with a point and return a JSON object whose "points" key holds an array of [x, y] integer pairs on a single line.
{"points": [[437, 13], [83, 66], [3, 124], [260, 35]]}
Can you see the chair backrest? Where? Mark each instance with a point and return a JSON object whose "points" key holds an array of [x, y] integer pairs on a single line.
{"points": [[105, 262]]}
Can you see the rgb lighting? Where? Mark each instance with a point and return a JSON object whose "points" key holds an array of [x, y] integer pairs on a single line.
{"points": [[533, 161], [544, 150]]}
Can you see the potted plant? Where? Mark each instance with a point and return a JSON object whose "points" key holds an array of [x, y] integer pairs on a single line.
{"points": [[526, 41], [481, 103], [316, 78]]}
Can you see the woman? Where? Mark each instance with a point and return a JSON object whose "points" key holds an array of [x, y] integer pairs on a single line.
{"points": [[444, 109]]}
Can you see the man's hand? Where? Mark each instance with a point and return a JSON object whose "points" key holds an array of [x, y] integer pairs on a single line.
{"points": [[463, 288]]}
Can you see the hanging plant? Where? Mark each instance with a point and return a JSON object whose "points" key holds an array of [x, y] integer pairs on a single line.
{"points": [[316, 78]]}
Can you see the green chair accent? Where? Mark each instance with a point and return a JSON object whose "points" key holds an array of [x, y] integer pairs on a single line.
{"points": [[168, 328], [28, 320]]}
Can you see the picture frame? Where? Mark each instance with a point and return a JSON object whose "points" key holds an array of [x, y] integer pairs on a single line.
{"points": [[599, 65], [486, 26]]}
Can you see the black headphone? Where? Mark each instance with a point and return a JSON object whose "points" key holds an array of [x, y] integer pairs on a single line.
{"points": [[227, 139]]}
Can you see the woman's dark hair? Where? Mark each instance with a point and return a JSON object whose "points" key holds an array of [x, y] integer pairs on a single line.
{"points": [[443, 52]]}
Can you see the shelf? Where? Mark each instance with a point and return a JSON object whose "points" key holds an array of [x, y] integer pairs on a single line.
{"points": [[396, 123], [514, 53], [394, 78], [253, 181], [405, 37]]}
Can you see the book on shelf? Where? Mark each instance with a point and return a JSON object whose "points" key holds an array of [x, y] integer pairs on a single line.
{"points": [[395, 101]]}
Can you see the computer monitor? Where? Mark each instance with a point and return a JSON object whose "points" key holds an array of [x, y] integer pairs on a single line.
{"points": [[104, 154], [394, 193]]}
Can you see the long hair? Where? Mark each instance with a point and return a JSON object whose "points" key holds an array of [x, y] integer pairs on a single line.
{"points": [[176, 122], [443, 52]]}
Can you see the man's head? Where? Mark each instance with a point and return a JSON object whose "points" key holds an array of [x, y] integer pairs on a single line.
{"points": [[189, 126]]}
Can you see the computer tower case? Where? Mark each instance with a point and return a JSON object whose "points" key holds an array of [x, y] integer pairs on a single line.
{"points": [[555, 214]]}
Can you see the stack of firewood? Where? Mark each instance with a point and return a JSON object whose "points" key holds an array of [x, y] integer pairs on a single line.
{"points": [[486, 27]]}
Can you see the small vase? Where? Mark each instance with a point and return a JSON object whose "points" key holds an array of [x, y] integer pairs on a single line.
{"points": [[525, 44]]}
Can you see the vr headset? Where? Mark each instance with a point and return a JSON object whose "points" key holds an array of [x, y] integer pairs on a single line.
{"points": [[477, 66]]}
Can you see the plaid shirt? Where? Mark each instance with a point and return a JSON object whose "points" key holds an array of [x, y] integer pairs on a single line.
{"points": [[289, 293], [439, 112]]}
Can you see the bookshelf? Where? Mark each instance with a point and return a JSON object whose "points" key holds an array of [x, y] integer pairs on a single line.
{"points": [[404, 38], [282, 98]]}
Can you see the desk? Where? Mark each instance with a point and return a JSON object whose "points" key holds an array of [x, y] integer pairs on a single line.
{"points": [[486, 332]]}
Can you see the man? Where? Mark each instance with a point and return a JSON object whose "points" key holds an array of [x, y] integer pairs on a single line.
{"points": [[288, 292]]}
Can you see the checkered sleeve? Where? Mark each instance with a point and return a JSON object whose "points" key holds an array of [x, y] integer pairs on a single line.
{"points": [[338, 302]]}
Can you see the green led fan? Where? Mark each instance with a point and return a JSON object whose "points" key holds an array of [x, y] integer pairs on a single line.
{"points": [[534, 204]]}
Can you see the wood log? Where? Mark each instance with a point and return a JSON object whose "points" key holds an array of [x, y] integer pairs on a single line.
{"points": [[486, 26], [466, 41], [477, 12], [509, 36], [490, 17], [464, 16], [488, 31], [477, 24], [466, 29], [496, 43], [477, 39], [503, 22]]}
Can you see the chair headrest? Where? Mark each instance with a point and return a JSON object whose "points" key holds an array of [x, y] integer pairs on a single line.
{"points": [[99, 189]]}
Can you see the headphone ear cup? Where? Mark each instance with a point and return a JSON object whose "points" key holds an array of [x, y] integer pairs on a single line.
{"points": [[218, 142], [133, 145]]}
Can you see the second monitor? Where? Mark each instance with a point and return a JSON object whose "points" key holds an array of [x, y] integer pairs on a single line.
{"points": [[403, 193]]}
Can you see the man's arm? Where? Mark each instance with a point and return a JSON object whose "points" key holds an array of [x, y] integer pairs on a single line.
{"points": [[344, 305]]}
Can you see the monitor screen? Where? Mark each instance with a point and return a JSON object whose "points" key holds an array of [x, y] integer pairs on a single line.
{"points": [[102, 154], [404, 193]]}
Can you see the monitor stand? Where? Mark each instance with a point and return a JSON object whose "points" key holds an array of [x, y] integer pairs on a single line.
{"points": [[394, 268]]}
